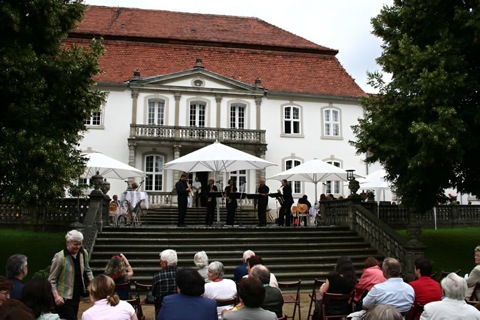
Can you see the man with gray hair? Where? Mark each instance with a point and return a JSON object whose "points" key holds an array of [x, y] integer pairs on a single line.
{"points": [[16, 270], [273, 296], [394, 291], [453, 306], [241, 270], [164, 283]]}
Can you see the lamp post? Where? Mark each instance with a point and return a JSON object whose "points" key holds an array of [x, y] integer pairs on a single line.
{"points": [[353, 184]]}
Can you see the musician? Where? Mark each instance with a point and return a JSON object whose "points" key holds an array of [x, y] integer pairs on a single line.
{"points": [[263, 191], [285, 216], [197, 190], [231, 202], [211, 202], [183, 191]]}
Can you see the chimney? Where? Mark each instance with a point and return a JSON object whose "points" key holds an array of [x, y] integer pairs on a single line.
{"points": [[258, 82], [199, 64], [136, 74]]}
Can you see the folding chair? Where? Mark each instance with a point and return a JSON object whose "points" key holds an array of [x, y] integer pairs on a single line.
{"points": [[417, 309], [344, 301], [473, 297], [226, 302], [285, 317], [142, 288], [315, 295], [287, 298], [123, 290], [138, 308]]}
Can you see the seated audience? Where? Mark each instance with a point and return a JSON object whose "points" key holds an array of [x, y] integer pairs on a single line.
{"points": [[201, 261], [341, 281], [252, 294], [37, 295], [164, 283], [273, 296], [453, 306], [241, 270], [5, 288], [219, 288], [119, 269], [372, 274], [106, 304], [393, 291], [16, 271], [426, 289], [474, 277], [383, 312], [253, 261], [188, 303], [12, 309]]}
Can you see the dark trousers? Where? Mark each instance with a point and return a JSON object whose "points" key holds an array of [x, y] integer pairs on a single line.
{"points": [[210, 214], [285, 216], [182, 210], [69, 310], [231, 207], [262, 214]]}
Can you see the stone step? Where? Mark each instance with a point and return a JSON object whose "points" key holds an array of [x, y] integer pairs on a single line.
{"points": [[291, 253]]}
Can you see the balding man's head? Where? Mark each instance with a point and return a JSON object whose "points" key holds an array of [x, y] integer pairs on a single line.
{"points": [[391, 268]]}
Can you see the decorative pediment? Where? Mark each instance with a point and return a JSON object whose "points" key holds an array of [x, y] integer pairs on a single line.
{"points": [[198, 80]]}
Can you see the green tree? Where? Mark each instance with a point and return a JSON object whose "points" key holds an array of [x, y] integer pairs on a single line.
{"points": [[424, 125], [46, 93]]}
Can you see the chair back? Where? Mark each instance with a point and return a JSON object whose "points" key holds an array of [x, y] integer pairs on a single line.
{"points": [[417, 309], [294, 299], [302, 208], [285, 317], [336, 305], [294, 211], [140, 289], [473, 297], [315, 295], [123, 290], [226, 302], [138, 307]]}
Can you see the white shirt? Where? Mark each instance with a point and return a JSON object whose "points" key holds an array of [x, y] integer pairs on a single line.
{"points": [[220, 290], [101, 310], [449, 309], [394, 292]]}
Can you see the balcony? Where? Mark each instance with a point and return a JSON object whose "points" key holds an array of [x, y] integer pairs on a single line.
{"points": [[146, 133]]}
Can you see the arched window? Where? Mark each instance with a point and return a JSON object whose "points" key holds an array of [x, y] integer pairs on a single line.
{"points": [[237, 116], [291, 120], [156, 112], [197, 114], [154, 173], [333, 187]]}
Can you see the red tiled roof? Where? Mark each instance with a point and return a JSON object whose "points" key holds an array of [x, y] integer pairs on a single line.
{"points": [[162, 42]]}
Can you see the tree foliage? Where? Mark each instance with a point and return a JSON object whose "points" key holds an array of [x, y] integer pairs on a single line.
{"points": [[424, 125], [47, 91]]}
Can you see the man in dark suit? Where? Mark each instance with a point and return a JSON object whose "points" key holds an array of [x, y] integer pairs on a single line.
{"points": [[189, 303], [273, 296], [182, 197], [263, 191], [285, 210]]}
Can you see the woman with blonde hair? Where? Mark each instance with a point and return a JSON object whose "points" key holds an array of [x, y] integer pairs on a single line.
{"points": [[119, 269], [106, 304]]}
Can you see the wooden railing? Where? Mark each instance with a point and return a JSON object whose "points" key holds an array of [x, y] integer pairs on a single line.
{"points": [[172, 133]]}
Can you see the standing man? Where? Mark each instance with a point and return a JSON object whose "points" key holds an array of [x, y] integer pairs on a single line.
{"points": [[182, 195], [231, 202], [285, 210], [263, 191], [197, 190], [68, 275]]}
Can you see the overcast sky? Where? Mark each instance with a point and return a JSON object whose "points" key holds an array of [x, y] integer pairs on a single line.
{"points": [[343, 25]]}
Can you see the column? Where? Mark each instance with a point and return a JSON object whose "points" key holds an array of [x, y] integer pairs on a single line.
{"points": [[177, 97], [176, 155], [218, 100], [135, 94]]}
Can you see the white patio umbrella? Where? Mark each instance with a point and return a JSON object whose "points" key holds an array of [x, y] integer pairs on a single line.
{"points": [[376, 180], [109, 167], [217, 157], [314, 171]]}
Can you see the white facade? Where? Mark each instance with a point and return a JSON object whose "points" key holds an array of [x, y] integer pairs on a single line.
{"points": [[296, 128]]}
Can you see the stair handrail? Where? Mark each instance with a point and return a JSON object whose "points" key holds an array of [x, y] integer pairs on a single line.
{"points": [[93, 222]]}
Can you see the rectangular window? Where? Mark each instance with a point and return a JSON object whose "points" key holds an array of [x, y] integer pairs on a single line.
{"points": [[156, 112], [237, 116], [197, 114], [296, 185], [331, 122], [291, 121], [153, 173], [94, 120], [333, 186]]}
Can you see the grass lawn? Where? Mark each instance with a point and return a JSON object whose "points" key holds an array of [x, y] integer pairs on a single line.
{"points": [[39, 247], [450, 248]]}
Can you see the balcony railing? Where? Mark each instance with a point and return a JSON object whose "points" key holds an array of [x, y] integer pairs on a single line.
{"points": [[195, 133]]}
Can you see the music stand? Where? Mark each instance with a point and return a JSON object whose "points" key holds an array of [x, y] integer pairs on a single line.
{"points": [[237, 195], [255, 196]]}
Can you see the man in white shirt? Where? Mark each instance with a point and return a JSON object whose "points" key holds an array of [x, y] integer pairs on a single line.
{"points": [[394, 291], [197, 190]]}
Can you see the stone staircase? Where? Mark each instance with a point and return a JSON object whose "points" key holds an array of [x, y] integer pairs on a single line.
{"points": [[291, 253]]}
